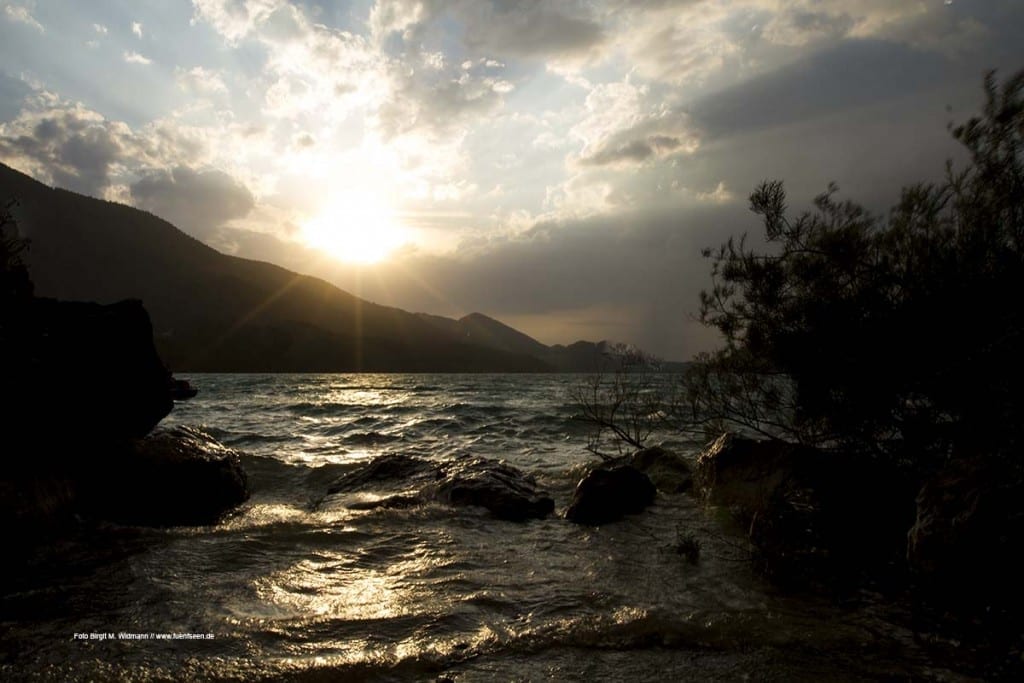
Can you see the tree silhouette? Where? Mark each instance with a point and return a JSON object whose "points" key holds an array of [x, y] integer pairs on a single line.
{"points": [[898, 334], [15, 284]]}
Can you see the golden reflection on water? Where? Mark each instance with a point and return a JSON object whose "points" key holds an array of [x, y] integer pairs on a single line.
{"points": [[323, 588]]}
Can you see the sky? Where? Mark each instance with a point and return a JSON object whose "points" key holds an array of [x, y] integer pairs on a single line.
{"points": [[556, 164]]}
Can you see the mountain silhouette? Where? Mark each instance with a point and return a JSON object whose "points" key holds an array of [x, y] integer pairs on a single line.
{"points": [[215, 312]]}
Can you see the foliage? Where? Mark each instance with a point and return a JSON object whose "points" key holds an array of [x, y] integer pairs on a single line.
{"points": [[15, 283], [865, 332]]}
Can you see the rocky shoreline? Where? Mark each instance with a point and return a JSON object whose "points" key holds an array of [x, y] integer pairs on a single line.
{"points": [[87, 391]]}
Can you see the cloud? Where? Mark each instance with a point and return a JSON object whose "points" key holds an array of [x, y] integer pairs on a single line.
{"points": [[200, 80], [436, 99], [197, 202], [649, 140], [100, 29], [137, 29], [530, 28], [22, 15], [71, 146], [856, 73], [518, 28], [135, 58]]}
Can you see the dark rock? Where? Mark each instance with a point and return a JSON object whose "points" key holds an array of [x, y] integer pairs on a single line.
{"points": [[813, 516], [173, 477], [667, 470], [742, 473], [964, 546], [399, 481], [500, 488], [607, 494]]}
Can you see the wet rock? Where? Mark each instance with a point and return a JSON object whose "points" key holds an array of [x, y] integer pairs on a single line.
{"points": [[814, 517], [502, 489], [742, 473], [667, 470], [400, 481], [390, 468], [179, 476], [607, 494]]}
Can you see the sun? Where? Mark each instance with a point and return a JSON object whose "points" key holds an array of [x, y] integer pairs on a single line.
{"points": [[357, 227]]}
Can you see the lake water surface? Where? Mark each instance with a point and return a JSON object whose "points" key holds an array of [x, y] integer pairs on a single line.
{"points": [[287, 591]]}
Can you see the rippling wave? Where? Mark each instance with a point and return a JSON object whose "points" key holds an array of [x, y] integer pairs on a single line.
{"points": [[293, 591]]}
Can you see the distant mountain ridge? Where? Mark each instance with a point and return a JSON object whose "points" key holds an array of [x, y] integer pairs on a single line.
{"points": [[215, 312]]}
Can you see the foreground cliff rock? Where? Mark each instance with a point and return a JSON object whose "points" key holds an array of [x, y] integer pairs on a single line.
{"points": [[81, 372], [398, 481], [83, 387]]}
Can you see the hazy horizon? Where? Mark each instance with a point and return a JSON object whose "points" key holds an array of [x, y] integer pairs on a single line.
{"points": [[557, 166]]}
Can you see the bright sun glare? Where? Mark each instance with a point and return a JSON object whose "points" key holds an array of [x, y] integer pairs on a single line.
{"points": [[355, 227]]}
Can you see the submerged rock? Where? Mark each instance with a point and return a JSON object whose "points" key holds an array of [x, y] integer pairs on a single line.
{"points": [[401, 481], [505, 491], [179, 476], [393, 468], [607, 494]]}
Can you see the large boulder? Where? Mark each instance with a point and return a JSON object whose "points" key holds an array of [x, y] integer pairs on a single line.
{"points": [[667, 470], [401, 481], [608, 494], [178, 476], [964, 546], [813, 516], [742, 473]]}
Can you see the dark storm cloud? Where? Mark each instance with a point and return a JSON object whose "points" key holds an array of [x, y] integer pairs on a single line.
{"points": [[854, 74], [197, 202]]}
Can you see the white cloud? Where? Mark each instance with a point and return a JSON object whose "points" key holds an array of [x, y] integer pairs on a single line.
{"points": [[22, 15], [200, 80], [100, 29], [234, 19], [137, 29], [135, 58]]}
